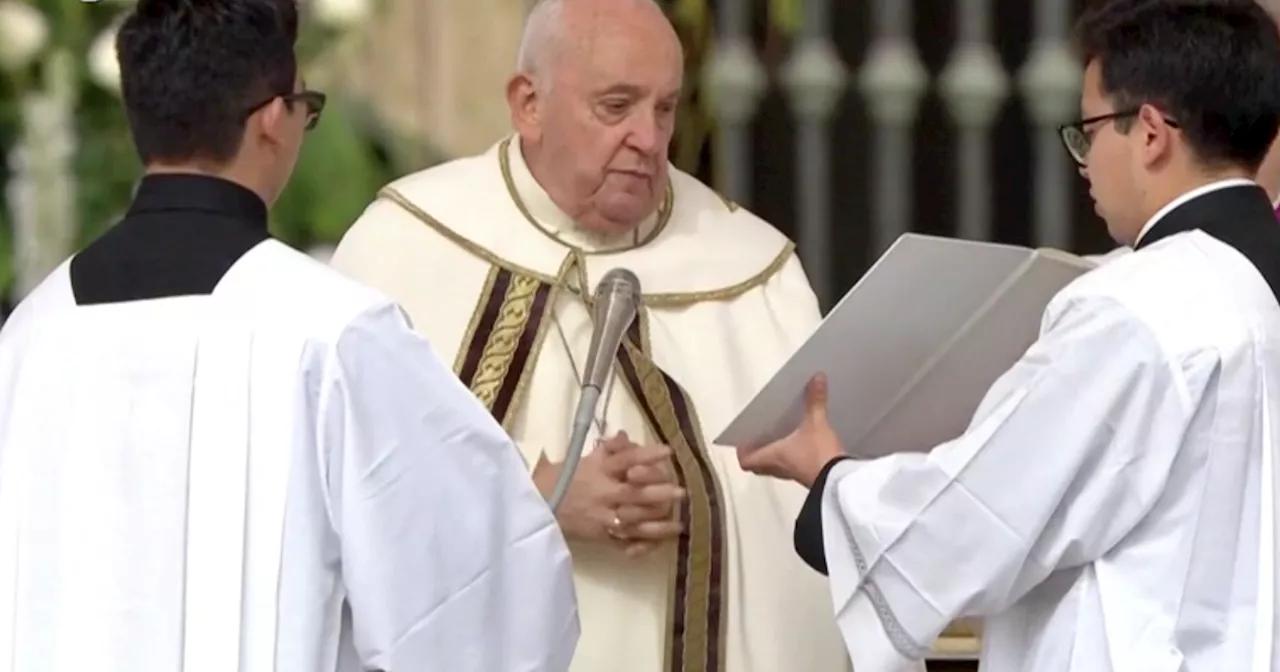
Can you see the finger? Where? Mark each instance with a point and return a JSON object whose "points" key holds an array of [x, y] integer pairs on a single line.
{"points": [[649, 474], [649, 455], [816, 400], [638, 549], [621, 462], [614, 527], [634, 515], [631, 514], [653, 530], [616, 443], [750, 459], [611, 494], [662, 494]]}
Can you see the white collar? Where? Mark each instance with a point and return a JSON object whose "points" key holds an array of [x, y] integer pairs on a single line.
{"points": [[544, 214]]}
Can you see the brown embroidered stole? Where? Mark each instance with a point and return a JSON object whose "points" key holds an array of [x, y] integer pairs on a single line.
{"points": [[695, 642]]}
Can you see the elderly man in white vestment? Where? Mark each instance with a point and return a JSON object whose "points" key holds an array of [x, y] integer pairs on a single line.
{"points": [[1113, 504], [681, 559], [209, 442]]}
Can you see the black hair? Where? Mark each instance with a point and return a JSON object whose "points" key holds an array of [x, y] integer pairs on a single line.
{"points": [[1211, 66], [192, 71]]}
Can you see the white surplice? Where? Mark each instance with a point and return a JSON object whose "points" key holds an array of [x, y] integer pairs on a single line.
{"points": [[1111, 507], [198, 483], [727, 302]]}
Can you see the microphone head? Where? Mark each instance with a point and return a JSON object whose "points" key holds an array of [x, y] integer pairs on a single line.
{"points": [[614, 306], [618, 284]]}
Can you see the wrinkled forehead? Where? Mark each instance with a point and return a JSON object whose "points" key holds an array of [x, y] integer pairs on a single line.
{"points": [[604, 51]]}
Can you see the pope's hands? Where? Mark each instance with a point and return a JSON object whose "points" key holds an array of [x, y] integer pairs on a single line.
{"points": [[621, 492], [646, 516], [801, 455]]}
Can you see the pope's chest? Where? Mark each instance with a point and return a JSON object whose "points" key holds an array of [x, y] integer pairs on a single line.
{"points": [[523, 355]]}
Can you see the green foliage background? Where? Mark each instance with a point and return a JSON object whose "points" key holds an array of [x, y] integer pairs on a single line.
{"points": [[344, 160]]}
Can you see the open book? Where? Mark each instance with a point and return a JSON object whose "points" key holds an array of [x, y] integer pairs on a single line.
{"points": [[911, 350]]}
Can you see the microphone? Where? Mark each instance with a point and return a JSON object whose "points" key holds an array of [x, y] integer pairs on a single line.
{"points": [[614, 306]]}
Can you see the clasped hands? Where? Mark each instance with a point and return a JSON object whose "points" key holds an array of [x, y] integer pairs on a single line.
{"points": [[621, 493]]}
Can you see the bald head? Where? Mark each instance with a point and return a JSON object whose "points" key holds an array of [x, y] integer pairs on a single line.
{"points": [[595, 102], [555, 28]]}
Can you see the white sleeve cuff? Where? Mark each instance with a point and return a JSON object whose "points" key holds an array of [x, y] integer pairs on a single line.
{"points": [[872, 626]]}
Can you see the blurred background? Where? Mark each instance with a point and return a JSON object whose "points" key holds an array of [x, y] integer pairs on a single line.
{"points": [[843, 122]]}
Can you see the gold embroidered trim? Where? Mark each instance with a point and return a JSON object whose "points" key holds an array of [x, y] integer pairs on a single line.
{"points": [[642, 319], [544, 327], [500, 343], [701, 500], [664, 210], [656, 300]]}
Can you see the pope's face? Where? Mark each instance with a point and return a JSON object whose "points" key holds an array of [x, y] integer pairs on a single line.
{"points": [[609, 115]]}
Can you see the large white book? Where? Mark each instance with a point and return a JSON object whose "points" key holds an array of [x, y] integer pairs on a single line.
{"points": [[911, 350]]}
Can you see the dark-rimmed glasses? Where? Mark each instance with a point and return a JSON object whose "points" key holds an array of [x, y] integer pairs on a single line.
{"points": [[1078, 141], [313, 100]]}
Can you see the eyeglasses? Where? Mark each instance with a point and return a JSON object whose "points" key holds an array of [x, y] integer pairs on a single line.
{"points": [[313, 100], [1078, 141]]}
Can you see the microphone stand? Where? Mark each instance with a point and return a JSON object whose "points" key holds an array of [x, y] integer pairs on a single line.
{"points": [[615, 305], [582, 419]]}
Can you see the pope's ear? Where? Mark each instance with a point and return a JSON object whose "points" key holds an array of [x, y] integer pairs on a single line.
{"points": [[522, 99]]}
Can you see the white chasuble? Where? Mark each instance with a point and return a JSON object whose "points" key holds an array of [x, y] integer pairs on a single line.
{"points": [[493, 273]]}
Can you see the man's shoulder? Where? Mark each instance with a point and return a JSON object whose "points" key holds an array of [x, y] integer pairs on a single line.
{"points": [[1108, 257], [1121, 283], [1155, 292], [442, 181], [465, 202], [51, 295], [747, 250], [279, 285], [716, 217]]}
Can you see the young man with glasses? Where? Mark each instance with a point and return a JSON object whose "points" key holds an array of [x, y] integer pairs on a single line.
{"points": [[1268, 174], [1115, 502], [211, 445]]}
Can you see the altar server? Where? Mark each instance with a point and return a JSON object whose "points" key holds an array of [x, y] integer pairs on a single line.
{"points": [[1113, 504], [209, 443]]}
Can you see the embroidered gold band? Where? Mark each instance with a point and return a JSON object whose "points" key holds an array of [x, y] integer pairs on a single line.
{"points": [[502, 340], [695, 641]]}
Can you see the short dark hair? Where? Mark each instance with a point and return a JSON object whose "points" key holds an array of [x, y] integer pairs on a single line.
{"points": [[191, 71], [1212, 66]]}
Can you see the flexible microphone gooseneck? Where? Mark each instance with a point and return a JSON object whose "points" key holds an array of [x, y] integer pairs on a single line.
{"points": [[614, 306]]}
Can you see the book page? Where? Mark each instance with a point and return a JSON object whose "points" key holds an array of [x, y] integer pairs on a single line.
{"points": [[938, 405], [905, 309]]}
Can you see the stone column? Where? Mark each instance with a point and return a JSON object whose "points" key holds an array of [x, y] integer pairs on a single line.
{"points": [[893, 80], [736, 81], [815, 78], [1050, 82], [975, 87]]}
